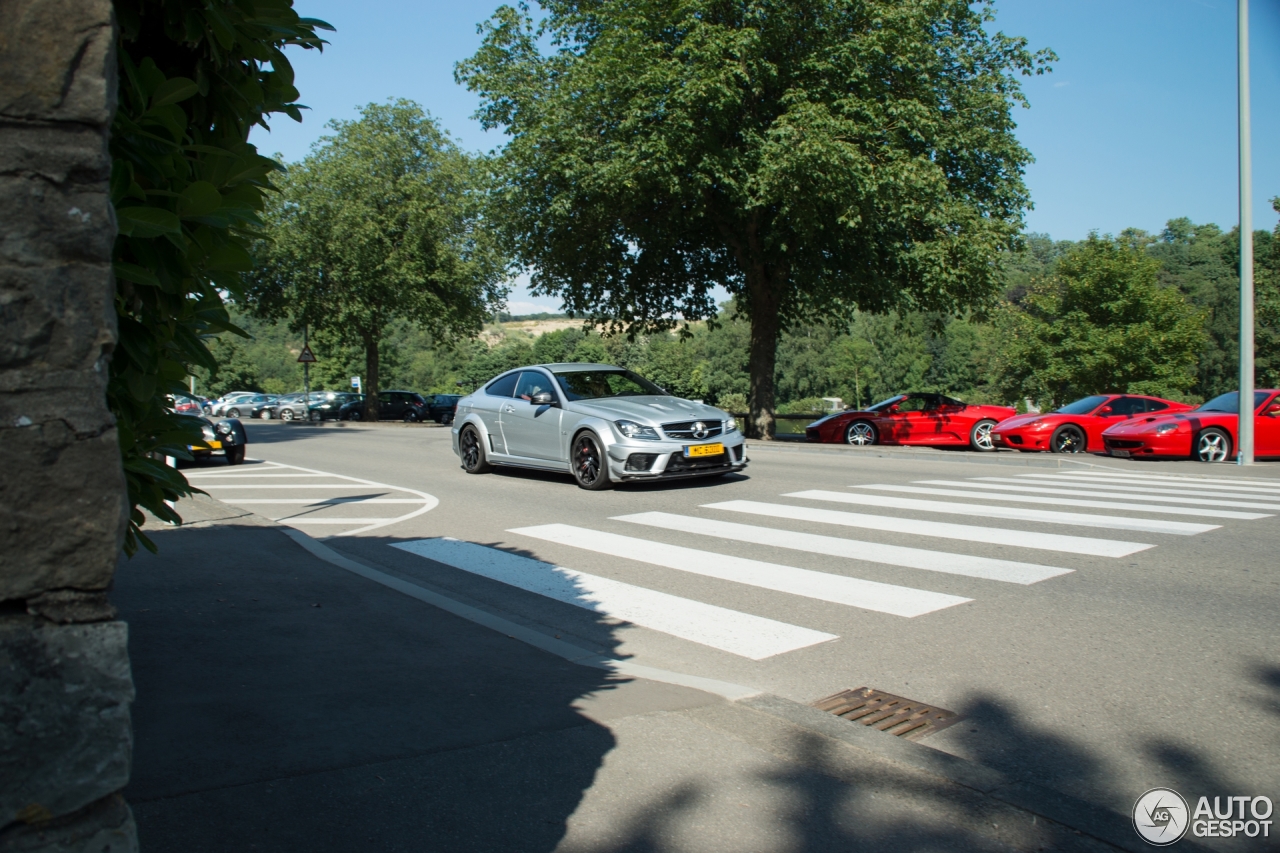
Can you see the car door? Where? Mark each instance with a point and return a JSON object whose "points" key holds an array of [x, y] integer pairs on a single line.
{"points": [[488, 404], [390, 405], [905, 422], [530, 429], [1266, 430]]}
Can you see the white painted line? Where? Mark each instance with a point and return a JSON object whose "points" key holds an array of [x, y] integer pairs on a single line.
{"points": [[1016, 513], [537, 639], [309, 520], [1087, 490], [1272, 485], [321, 501], [1008, 571], [837, 589], [1161, 487], [940, 529], [967, 491], [742, 634], [222, 475], [355, 485]]}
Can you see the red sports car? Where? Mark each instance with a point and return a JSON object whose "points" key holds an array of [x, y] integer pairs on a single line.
{"points": [[1077, 427], [912, 419], [1207, 433]]}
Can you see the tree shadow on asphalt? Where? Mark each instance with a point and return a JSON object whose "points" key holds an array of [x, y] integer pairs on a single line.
{"points": [[285, 704]]}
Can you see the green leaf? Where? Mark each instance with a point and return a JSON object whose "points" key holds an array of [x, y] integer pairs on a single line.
{"points": [[198, 199], [147, 222], [172, 91], [135, 274], [230, 258]]}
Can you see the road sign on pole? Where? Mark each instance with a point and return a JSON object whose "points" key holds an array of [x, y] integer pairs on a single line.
{"points": [[1244, 431], [306, 356], [355, 383]]}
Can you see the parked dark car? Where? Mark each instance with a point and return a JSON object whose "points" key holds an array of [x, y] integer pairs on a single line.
{"points": [[442, 407], [330, 408], [404, 406]]}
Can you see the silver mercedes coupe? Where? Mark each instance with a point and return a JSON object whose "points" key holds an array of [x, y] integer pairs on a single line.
{"points": [[600, 423]]}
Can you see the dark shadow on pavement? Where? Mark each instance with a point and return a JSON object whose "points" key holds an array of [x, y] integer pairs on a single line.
{"points": [[285, 704]]}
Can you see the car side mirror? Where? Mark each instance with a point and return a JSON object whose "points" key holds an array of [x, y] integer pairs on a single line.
{"points": [[542, 398], [1106, 410], [1274, 411], [893, 410]]}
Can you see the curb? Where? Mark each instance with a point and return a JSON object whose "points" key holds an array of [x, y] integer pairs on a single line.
{"points": [[929, 455]]}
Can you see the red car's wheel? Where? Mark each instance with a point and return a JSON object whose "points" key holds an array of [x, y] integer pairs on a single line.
{"points": [[1213, 445], [980, 436], [1068, 438], [861, 434]]}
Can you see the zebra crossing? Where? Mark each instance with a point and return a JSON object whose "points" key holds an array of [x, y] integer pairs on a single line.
{"points": [[1124, 502]]}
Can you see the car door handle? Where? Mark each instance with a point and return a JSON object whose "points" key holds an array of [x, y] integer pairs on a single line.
{"points": [[508, 408]]}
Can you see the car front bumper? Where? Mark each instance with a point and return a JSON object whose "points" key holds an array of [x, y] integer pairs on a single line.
{"points": [[666, 460], [1173, 444]]}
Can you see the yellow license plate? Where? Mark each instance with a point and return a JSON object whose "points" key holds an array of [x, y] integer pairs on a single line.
{"points": [[208, 445], [704, 450]]}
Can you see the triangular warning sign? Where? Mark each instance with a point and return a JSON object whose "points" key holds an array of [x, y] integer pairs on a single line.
{"points": [[307, 357]]}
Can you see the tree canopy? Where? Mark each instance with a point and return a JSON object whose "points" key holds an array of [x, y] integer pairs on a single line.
{"points": [[382, 221], [814, 158], [1100, 324]]}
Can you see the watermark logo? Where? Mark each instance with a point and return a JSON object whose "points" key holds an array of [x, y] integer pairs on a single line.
{"points": [[1160, 816]]}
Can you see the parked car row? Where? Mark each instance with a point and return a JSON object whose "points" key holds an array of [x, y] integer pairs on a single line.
{"points": [[1123, 425]]}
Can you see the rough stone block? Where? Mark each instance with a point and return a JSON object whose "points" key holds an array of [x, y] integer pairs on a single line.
{"points": [[65, 738], [106, 826], [42, 222], [62, 509], [56, 152], [57, 60]]}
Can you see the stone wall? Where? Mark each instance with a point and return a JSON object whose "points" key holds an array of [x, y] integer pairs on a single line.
{"points": [[65, 685]]}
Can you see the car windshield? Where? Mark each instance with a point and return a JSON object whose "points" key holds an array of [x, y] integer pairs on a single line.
{"points": [[1230, 402], [1083, 406], [598, 384], [884, 404]]}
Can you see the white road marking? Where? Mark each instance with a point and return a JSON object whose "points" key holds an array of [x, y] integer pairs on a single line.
{"points": [[245, 493], [222, 475], [837, 589], [1272, 485], [1016, 513], [1159, 487], [1008, 571], [967, 491], [741, 634], [322, 501], [1088, 490], [940, 529]]}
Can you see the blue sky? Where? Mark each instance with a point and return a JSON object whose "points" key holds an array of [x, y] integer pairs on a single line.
{"points": [[1136, 125]]}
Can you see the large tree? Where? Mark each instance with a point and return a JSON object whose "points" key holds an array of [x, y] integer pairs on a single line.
{"points": [[1101, 324], [382, 221], [811, 156]]}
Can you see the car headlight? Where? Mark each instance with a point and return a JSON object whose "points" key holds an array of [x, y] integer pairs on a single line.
{"points": [[631, 429], [1165, 429], [1035, 424], [731, 425]]}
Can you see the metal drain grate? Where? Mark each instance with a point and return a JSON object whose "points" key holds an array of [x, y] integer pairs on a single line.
{"points": [[904, 718]]}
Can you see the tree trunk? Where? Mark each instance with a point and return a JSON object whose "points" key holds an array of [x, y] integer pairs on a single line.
{"points": [[371, 377], [763, 354]]}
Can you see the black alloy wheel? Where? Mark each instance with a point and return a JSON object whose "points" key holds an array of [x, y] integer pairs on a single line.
{"points": [[1213, 445], [1068, 438], [980, 436], [410, 417], [473, 456], [589, 466], [447, 418], [861, 434]]}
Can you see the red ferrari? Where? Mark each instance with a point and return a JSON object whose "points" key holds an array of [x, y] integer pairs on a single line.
{"points": [[912, 419], [1207, 433], [1077, 427]]}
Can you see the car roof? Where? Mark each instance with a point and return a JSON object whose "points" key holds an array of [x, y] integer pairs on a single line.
{"points": [[577, 367]]}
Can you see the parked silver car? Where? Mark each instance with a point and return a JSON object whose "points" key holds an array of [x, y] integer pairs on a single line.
{"points": [[601, 423]]}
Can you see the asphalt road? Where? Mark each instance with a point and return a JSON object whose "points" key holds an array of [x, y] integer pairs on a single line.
{"points": [[1129, 646]]}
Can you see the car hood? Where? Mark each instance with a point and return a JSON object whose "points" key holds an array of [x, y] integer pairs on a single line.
{"points": [[648, 410], [1139, 426], [1022, 420]]}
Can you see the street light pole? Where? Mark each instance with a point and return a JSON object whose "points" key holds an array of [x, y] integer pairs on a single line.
{"points": [[1244, 432]]}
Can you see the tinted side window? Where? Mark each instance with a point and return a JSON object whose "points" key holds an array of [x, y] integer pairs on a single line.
{"points": [[1156, 406], [531, 382], [1128, 406], [913, 404], [503, 387]]}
